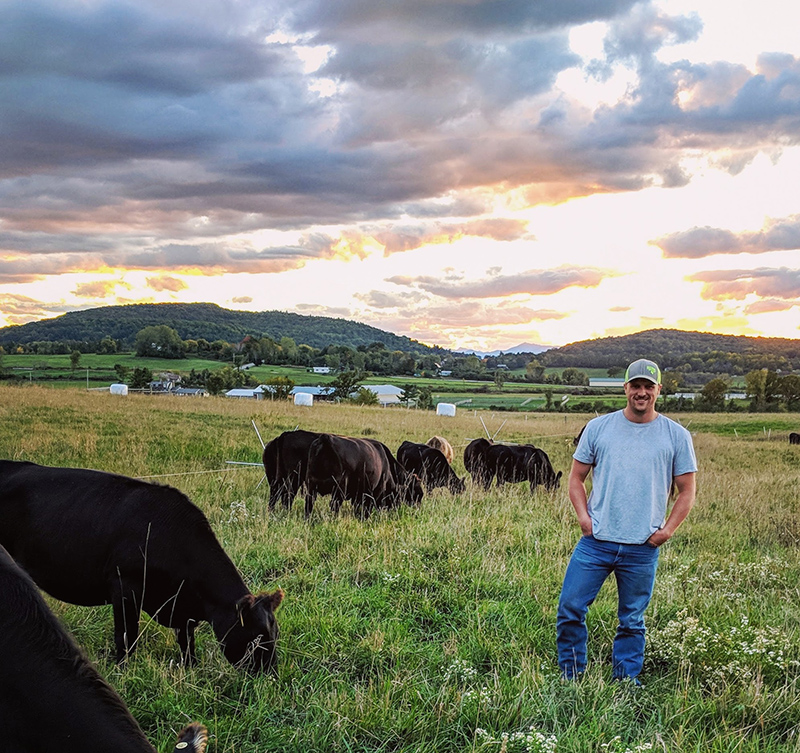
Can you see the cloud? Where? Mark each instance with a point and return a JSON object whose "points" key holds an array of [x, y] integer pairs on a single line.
{"points": [[242, 299], [97, 288], [219, 115], [770, 305], [736, 284], [183, 143], [378, 299], [20, 309], [396, 239], [164, 282], [315, 309], [696, 243], [532, 282]]}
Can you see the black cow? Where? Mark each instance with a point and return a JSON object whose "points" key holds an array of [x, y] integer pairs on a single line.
{"points": [[51, 697], [794, 438], [89, 537], [508, 463], [363, 471], [540, 471], [475, 461], [285, 461], [430, 465]]}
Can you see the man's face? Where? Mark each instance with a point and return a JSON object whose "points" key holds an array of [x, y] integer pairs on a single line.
{"points": [[642, 394]]}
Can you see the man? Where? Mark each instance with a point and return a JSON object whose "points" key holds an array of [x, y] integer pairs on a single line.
{"points": [[635, 456]]}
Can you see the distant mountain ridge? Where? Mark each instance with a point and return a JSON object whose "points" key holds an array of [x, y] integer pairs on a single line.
{"points": [[208, 321], [521, 348], [672, 348]]}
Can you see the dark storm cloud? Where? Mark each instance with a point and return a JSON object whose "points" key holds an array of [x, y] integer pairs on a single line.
{"points": [[106, 82], [533, 282], [776, 235], [331, 19]]}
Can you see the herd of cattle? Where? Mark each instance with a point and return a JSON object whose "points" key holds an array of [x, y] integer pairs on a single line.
{"points": [[365, 472], [89, 537]]}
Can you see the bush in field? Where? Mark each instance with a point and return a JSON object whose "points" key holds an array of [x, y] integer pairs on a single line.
{"points": [[141, 377], [279, 388], [363, 396]]}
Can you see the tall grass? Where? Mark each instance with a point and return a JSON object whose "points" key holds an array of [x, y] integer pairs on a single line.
{"points": [[433, 629]]}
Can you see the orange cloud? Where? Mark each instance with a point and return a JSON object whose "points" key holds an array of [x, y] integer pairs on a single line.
{"points": [[172, 284], [396, 240], [532, 282], [97, 288]]}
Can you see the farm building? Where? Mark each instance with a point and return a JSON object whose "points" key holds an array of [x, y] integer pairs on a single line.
{"points": [[319, 393], [606, 382], [245, 392], [387, 394], [189, 392]]}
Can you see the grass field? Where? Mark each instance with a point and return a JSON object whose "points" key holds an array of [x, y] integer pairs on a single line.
{"points": [[432, 630]]}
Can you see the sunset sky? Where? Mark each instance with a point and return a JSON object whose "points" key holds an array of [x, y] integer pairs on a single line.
{"points": [[470, 173]]}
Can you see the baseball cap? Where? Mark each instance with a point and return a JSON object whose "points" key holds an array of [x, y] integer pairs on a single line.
{"points": [[643, 369]]}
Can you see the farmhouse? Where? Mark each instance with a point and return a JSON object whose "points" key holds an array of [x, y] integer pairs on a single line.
{"points": [[189, 392]]}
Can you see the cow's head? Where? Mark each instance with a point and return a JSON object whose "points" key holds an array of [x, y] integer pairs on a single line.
{"points": [[540, 471], [250, 642], [457, 485], [553, 483]]}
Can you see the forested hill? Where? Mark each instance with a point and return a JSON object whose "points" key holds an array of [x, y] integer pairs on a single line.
{"points": [[676, 349], [194, 321]]}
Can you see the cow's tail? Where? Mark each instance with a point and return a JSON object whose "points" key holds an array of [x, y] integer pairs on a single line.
{"points": [[192, 739]]}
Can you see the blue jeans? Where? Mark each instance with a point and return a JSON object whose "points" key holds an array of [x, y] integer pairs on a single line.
{"points": [[634, 567]]}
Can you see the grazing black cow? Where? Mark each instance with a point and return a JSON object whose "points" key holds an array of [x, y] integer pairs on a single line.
{"points": [[794, 438], [363, 471], [440, 443], [51, 697], [285, 461], [508, 463], [475, 461], [540, 471], [430, 465], [89, 537]]}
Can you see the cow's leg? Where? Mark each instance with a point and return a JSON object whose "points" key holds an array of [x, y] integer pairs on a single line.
{"points": [[311, 497], [126, 599], [290, 489], [274, 495], [185, 636], [337, 497]]}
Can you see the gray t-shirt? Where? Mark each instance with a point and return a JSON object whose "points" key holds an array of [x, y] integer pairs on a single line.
{"points": [[633, 467]]}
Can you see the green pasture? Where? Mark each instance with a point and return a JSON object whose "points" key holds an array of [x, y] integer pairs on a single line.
{"points": [[96, 370], [432, 630]]}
